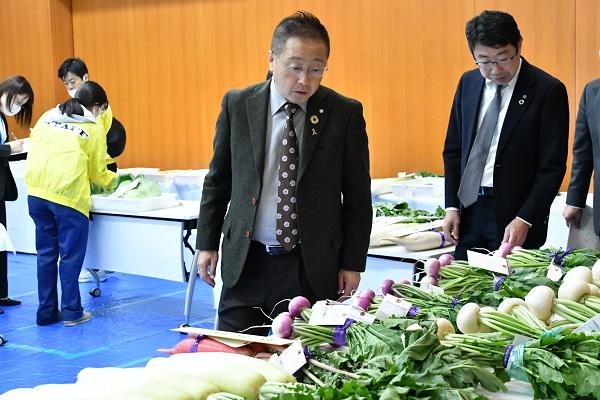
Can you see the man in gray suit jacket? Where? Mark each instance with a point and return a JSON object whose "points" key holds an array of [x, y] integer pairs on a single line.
{"points": [[295, 211], [586, 157]]}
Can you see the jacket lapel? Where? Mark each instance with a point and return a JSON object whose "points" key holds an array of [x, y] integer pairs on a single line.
{"points": [[257, 110], [317, 112], [519, 102]]}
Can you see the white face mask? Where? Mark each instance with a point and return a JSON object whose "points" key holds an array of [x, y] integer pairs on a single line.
{"points": [[72, 92], [8, 111]]}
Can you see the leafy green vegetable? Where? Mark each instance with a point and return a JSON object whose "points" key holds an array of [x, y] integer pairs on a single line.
{"points": [[402, 209]]}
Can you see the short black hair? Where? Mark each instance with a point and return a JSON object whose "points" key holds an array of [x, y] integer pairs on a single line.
{"points": [[492, 29], [301, 24], [73, 65]]}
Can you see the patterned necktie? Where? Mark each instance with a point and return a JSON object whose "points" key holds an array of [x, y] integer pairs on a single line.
{"points": [[287, 219], [471, 179]]}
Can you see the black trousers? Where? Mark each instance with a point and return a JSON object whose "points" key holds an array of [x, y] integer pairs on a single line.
{"points": [[478, 227], [265, 281], [3, 257]]}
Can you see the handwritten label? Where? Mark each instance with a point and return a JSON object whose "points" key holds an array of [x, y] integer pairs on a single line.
{"points": [[292, 358], [327, 314], [392, 306], [489, 263], [554, 272]]}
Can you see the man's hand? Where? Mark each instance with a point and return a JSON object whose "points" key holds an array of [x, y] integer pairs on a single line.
{"points": [[572, 216], [348, 282], [452, 226], [515, 233], [207, 265]]}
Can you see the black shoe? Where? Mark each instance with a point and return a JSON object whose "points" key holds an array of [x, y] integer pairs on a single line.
{"points": [[7, 301]]}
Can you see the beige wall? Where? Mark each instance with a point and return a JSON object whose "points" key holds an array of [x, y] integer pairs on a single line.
{"points": [[166, 64]]}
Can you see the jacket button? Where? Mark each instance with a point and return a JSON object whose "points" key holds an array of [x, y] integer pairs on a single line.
{"points": [[253, 200], [247, 233]]}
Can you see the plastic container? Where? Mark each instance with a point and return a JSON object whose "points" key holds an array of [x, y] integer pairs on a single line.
{"points": [[420, 187], [188, 183], [105, 203]]}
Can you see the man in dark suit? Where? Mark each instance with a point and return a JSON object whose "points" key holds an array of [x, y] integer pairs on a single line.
{"points": [[506, 144], [299, 214], [586, 157]]}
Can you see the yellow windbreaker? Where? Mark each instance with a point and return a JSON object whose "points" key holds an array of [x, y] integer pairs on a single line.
{"points": [[66, 154]]}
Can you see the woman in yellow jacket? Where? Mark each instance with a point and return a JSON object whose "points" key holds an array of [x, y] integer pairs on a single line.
{"points": [[67, 153]]}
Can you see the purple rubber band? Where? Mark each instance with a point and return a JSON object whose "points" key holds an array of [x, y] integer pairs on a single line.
{"points": [[413, 311], [194, 346], [507, 352], [339, 333], [498, 282]]}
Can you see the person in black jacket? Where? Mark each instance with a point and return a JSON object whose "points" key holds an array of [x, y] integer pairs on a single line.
{"points": [[16, 99], [507, 197]]}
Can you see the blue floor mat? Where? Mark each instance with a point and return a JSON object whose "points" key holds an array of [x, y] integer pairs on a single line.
{"points": [[131, 320]]}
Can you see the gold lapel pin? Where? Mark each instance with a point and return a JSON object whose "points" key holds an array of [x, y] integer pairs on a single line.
{"points": [[314, 119]]}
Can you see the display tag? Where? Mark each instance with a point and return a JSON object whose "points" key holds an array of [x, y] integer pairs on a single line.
{"points": [[392, 306], [592, 325], [520, 339], [328, 314], [555, 318], [429, 288], [292, 358], [489, 263], [554, 272]]}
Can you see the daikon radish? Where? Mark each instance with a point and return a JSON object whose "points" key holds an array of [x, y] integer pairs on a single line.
{"points": [[540, 301], [573, 290], [197, 389], [141, 384], [228, 377], [270, 371], [579, 273], [18, 394], [86, 391], [423, 241], [444, 327]]}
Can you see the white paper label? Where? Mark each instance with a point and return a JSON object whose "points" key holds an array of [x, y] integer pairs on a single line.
{"points": [[554, 272], [555, 318], [360, 315], [519, 339], [292, 358], [429, 288], [328, 314], [592, 325], [489, 263], [392, 306]]}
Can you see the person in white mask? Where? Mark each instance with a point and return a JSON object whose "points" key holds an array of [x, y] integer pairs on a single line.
{"points": [[74, 72], [16, 100]]}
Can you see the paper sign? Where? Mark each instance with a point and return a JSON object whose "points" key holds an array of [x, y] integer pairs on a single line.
{"points": [[554, 272], [292, 358], [328, 313], [489, 263], [392, 306], [429, 288], [520, 339], [592, 325], [241, 337]]}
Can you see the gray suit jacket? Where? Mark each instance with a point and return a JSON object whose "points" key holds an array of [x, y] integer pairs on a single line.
{"points": [[586, 151], [333, 192]]}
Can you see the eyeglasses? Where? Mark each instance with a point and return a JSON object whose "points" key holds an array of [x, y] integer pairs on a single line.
{"points": [[295, 69], [501, 62]]}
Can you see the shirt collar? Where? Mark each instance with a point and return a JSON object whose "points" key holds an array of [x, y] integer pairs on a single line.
{"points": [[277, 100], [511, 84]]}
